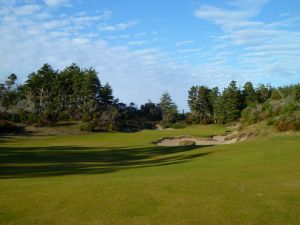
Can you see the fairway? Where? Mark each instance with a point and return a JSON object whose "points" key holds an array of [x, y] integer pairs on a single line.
{"points": [[122, 178]]}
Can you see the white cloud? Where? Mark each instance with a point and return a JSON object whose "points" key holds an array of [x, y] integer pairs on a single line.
{"points": [[26, 10], [7, 2], [255, 45], [117, 27], [137, 43], [186, 42], [57, 2], [246, 50], [135, 75]]}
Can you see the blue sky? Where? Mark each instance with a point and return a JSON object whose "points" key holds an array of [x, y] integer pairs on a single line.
{"points": [[143, 48]]}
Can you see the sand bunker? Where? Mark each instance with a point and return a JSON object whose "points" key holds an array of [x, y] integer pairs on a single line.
{"points": [[215, 140]]}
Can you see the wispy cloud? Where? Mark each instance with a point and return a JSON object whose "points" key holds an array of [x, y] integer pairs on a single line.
{"points": [[140, 63], [258, 48], [137, 43], [117, 27], [57, 2], [186, 42], [61, 40]]}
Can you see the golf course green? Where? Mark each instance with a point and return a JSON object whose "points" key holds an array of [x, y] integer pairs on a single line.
{"points": [[124, 178]]}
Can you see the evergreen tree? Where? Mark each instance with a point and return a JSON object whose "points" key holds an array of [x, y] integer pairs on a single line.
{"points": [[8, 93], [203, 105], [168, 108], [249, 95], [232, 100], [106, 94], [91, 90], [264, 93], [214, 99], [193, 98]]}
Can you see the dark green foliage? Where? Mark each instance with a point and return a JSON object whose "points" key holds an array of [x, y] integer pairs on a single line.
{"points": [[250, 115], [208, 105], [232, 100], [249, 95], [106, 94], [9, 127], [151, 111], [8, 93], [168, 109], [201, 101], [193, 98], [263, 93], [270, 121], [248, 105], [88, 126], [178, 125], [49, 96], [281, 109]]}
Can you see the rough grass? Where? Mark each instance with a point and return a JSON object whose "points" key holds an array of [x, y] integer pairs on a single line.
{"points": [[121, 178]]}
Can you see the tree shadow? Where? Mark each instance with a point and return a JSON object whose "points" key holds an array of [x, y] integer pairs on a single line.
{"points": [[66, 160]]}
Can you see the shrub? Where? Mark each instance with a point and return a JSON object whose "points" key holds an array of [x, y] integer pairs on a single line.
{"points": [[165, 125], [270, 121], [263, 116], [290, 107], [187, 143], [251, 115], [275, 95], [63, 116], [178, 126], [30, 118], [289, 122], [15, 118], [86, 117], [9, 127], [87, 127]]}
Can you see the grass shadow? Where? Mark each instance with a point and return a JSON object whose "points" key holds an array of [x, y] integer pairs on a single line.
{"points": [[66, 160]]}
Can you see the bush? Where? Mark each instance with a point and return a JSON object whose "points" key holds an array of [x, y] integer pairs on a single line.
{"points": [[276, 95], [178, 126], [287, 123], [290, 107], [251, 115], [270, 121], [63, 116], [87, 127], [15, 118], [263, 116], [9, 127], [165, 125], [187, 143]]}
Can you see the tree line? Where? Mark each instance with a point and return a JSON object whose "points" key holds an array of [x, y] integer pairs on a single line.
{"points": [[212, 106], [50, 95]]}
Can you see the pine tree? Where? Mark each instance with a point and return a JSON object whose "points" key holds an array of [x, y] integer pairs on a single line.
{"points": [[249, 95], [214, 99], [232, 100], [203, 105], [168, 108], [106, 95]]}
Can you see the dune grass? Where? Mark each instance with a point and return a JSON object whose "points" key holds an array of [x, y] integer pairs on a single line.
{"points": [[122, 178]]}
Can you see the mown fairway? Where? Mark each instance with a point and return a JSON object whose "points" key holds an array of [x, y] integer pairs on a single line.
{"points": [[122, 178]]}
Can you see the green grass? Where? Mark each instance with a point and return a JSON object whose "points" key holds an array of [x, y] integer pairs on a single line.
{"points": [[122, 178]]}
